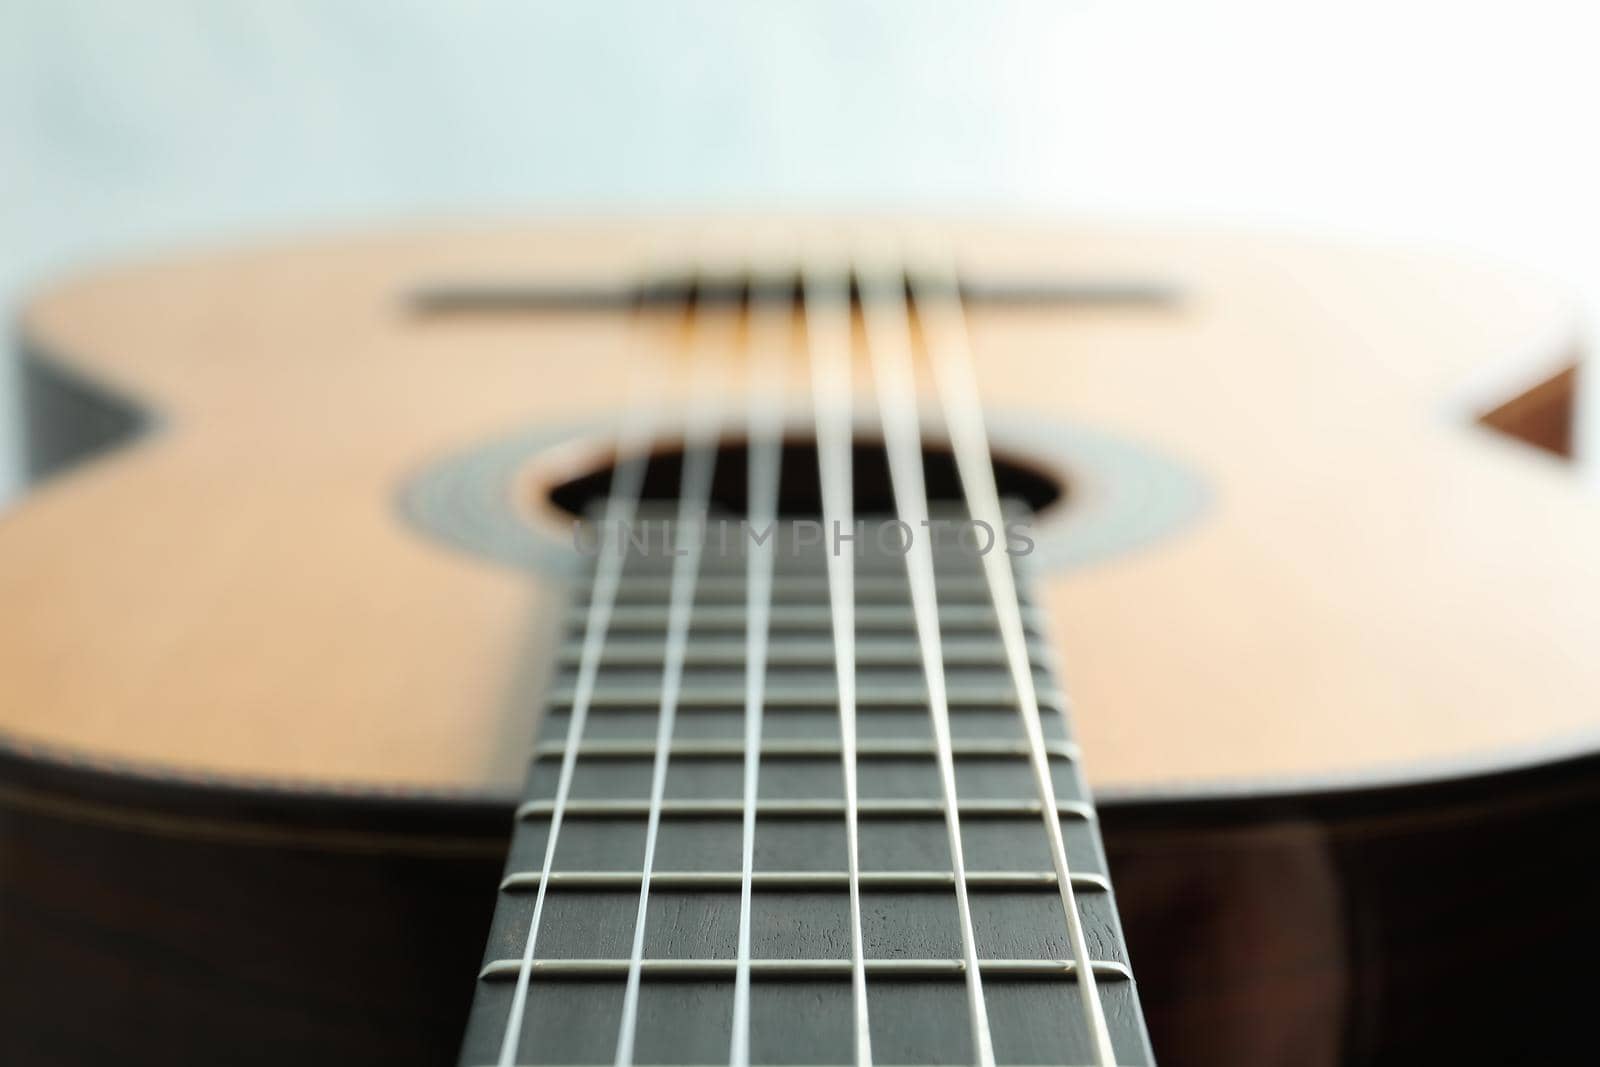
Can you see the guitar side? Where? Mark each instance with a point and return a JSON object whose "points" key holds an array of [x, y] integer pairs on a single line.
{"points": [[1322, 928]]}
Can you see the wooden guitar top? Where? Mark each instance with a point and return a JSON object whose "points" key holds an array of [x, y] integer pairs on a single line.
{"points": [[1375, 586]]}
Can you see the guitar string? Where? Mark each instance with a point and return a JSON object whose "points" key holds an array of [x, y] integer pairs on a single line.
{"points": [[884, 310], [701, 432], [826, 298], [950, 362], [948, 343], [769, 334], [634, 438]]}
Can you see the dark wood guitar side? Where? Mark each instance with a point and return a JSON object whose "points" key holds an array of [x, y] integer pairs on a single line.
{"points": [[164, 922]]}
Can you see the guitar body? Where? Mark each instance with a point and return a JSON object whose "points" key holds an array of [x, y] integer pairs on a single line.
{"points": [[265, 702]]}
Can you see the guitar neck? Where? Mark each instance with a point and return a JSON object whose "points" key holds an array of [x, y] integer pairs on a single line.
{"points": [[800, 998]]}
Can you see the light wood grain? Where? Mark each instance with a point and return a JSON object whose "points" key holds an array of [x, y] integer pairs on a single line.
{"points": [[1379, 587]]}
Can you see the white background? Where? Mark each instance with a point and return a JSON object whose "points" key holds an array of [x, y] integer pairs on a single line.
{"points": [[126, 125]]}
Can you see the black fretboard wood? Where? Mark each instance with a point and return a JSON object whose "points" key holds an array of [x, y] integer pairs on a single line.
{"points": [[801, 1005]]}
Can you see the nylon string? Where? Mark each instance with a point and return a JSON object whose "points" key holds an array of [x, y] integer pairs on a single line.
{"points": [[948, 343], [828, 337], [634, 439], [888, 331], [701, 433], [769, 332]]}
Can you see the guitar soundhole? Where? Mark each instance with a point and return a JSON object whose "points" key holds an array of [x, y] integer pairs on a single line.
{"points": [[1033, 487]]}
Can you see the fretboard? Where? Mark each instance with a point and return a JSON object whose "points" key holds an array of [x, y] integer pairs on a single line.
{"points": [[801, 1001]]}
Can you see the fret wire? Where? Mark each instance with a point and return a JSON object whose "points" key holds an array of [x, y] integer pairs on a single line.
{"points": [[812, 596], [627, 483], [523, 880], [828, 316], [790, 584], [701, 433], [881, 284], [803, 703], [906, 698], [797, 654], [803, 749], [768, 328], [980, 616], [792, 561], [786, 628], [718, 968], [980, 808], [879, 565], [949, 349]]}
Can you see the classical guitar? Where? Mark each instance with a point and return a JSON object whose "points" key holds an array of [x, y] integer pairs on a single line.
{"points": [[669, 643]]}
